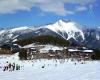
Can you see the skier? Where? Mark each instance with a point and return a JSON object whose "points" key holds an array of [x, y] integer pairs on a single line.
{"points": [[17, 67], [9, 66], [6, 66], [13, 66]]}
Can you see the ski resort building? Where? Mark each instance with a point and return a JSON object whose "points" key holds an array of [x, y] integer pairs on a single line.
{"points": [[81, 54]]}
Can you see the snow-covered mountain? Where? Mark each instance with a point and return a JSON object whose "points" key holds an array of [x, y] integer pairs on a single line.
{"points": [[12, 34], [92, 37], [67, 30]]}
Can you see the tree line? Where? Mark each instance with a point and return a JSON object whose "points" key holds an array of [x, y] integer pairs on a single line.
{"points": [[44, 40]]}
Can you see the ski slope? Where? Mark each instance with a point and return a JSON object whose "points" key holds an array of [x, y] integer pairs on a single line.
{"points": [[53, 70]]}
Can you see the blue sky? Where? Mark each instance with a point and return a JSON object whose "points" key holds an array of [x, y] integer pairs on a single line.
{"points": [[15, 13]]}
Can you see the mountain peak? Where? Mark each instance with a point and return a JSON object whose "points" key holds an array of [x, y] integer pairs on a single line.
{"points": [[67, 29]]}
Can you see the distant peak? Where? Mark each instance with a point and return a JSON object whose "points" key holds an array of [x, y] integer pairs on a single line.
{"points": [[19, 28]]}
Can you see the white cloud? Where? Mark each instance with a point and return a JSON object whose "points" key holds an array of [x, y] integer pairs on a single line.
{"points": [[81, 8], [55, 6], [79, 1]]}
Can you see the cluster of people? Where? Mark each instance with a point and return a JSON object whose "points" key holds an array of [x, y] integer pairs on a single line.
{"points": [[11, 66]]}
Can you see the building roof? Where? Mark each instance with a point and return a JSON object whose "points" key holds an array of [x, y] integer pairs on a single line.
{"points": [[77, 50], [90, 51], [73, 50]]}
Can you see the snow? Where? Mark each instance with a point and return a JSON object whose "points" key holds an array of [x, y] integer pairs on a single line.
{"points": [[28, 46], [97, 36], [19, 29], [88, 51], [61, 27], [10, 35], [14, 40], [71, 28], [45, 48], [50, 47], [2, 31], [73, 50], [53, 69]]}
